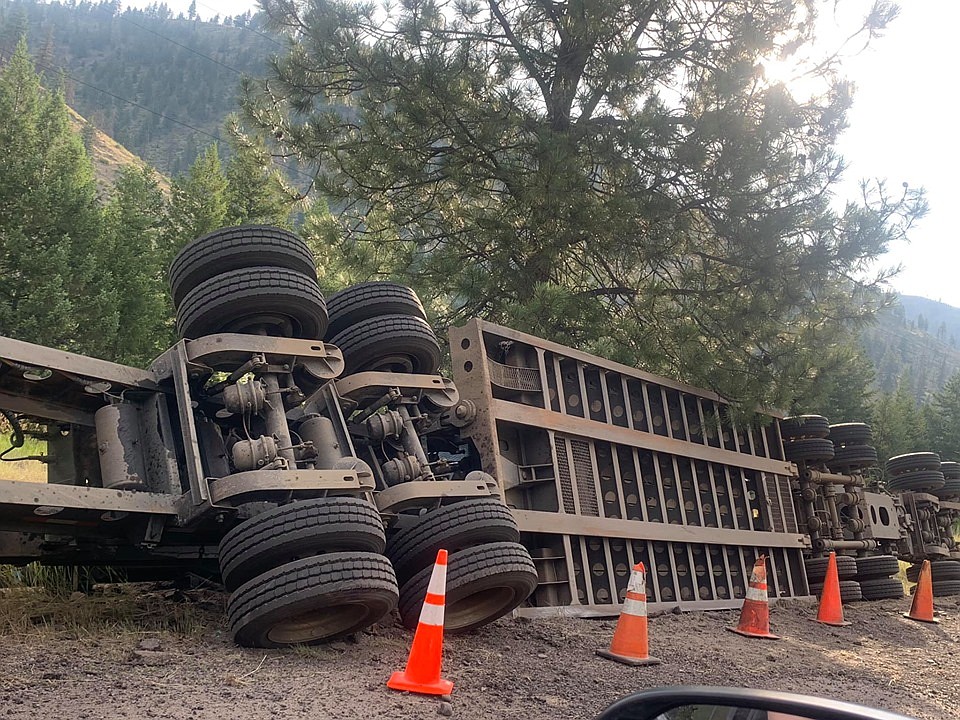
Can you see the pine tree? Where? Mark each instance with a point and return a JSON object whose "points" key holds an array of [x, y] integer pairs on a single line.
{"points": [[621, 177], [898, 424], [199, 200], [256, 192], [842, 388], [54, 283], [134, 224], [944, 420]]}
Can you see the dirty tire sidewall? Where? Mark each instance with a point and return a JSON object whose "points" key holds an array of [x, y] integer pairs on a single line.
{"points": [[233, 301], [881, 589], [804, 426], [484, 583], [377, 343], [366, 300], [297, 530], [234, 248], [453, 528], [809, 449], [313, 600], [877, 566], [849, 591], [817, 568]]}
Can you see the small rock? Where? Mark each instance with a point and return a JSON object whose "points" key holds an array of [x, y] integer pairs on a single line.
{"points": [[445, 698], [74, 596], [445, 709], [150, 643], [52, 676], [542, 656], [149, 657], [771, 658]]}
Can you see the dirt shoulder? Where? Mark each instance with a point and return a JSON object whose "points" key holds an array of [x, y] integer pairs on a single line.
{"points": [[72, 665]]}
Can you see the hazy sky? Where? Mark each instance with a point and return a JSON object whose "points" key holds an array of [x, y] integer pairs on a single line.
{"points": [[899, 128]]}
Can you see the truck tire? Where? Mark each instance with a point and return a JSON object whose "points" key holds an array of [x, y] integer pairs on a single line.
{"points": [[849, 591], [946, 587], [843, 434], [881, 589], [452, 527], [484, 583], [939, 570], [950, 470], [817, 568], [297, 530], [918, 481], [370, 299], [816, 450], [950, 489], [804, 426], [283, 301], [389, 343], [313, 600], [877, 566], [912, 462], [233, 248], [854, 456]]}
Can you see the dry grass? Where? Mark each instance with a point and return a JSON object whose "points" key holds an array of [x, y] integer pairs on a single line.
{"points": [[25, 470], [110, 157], [114, 609]]}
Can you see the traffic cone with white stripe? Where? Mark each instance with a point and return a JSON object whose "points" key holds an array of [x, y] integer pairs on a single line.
{"points": [[630, 643], [755, 614], [422, 674]]}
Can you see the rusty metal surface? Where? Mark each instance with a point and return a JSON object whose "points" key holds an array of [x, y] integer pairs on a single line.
{"points": [[417, 494], [884, 520], [240, 486], [60, 361], [17, 497], [605, 466], [188, 428], [233, 349], [369, 386]]}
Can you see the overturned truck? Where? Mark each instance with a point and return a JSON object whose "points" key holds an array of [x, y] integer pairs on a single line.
{"points": [[310, 455]]}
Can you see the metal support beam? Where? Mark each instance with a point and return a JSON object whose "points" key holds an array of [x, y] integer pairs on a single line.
{"points": [[563, 524]]}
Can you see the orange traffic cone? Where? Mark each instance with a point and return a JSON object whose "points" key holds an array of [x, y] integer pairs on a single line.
{"points": [[831, 608], [922, 607], [422, 674], [755, 614], [629, 645]]}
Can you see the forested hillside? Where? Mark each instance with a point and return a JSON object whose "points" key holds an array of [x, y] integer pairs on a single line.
{"points": [[915, 344], [159, 84]]}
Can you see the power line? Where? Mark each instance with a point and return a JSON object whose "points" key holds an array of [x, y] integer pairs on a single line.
{"points": [[181, 45]]}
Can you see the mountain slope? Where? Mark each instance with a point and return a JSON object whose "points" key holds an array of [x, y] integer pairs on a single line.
{"points": [[915, 342], [160, 85], [108, 156]]}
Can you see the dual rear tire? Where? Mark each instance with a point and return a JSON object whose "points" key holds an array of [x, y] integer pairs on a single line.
{"points": [[307, 572]]}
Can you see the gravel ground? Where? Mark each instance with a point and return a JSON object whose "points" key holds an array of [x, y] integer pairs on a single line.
{"points": [[517, 668]]}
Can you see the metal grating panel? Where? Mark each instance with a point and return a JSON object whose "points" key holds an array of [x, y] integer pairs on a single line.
{"points": [[770, 492], [514, 378], [563, 475], [586, 482], [786, 498]]}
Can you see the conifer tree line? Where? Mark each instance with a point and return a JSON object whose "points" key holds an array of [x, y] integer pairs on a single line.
{"points": [[86, 272]]}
